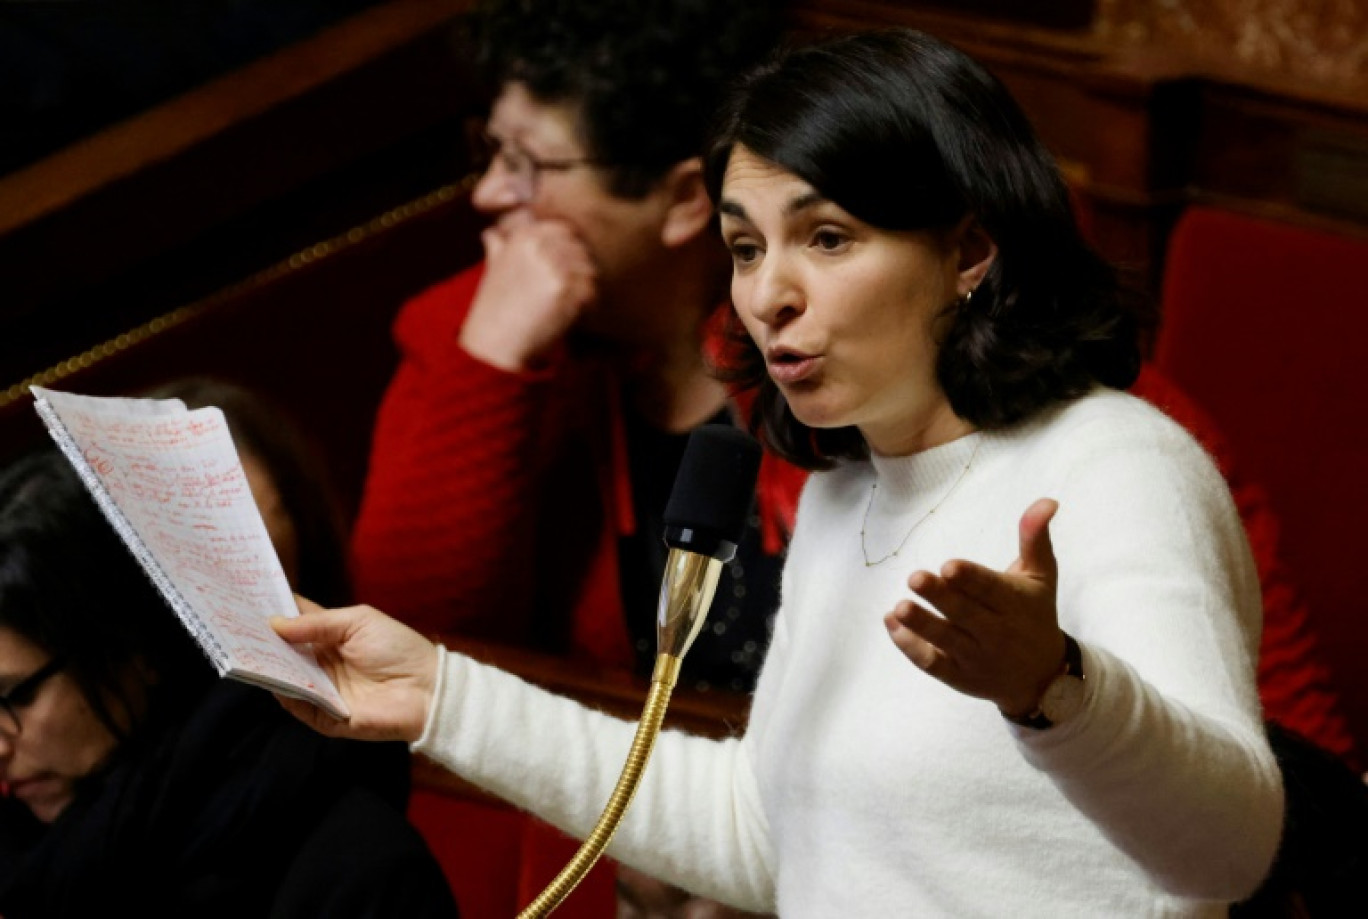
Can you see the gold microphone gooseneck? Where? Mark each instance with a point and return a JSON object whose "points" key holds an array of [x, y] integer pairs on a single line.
{"points": [[704, 519]]}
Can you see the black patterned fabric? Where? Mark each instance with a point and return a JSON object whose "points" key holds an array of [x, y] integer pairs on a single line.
{"points": [[728, 652]]}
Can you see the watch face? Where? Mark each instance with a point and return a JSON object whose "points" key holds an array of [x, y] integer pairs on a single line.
{"points": [[1063, 698]]}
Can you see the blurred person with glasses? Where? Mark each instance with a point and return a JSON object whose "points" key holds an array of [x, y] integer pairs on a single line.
{"points": [[554, 384], [135, 781]]}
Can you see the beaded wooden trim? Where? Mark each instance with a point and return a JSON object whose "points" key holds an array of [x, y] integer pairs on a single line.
{"points": [[304, 257]]}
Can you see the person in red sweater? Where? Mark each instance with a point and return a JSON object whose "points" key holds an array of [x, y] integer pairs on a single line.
{"points": [[524, 450]]}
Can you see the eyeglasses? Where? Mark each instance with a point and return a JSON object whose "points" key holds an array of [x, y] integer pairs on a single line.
{"points": [[524, 170], [22, 695]]}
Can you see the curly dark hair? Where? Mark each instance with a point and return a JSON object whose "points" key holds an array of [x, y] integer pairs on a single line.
{"points": [[647, 75], [907, 133], [68, 585]]}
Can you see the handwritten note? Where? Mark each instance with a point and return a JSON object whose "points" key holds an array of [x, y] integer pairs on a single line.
{"points": [[170, 481]]}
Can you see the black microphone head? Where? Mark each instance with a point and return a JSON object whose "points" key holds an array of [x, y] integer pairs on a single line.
{"points": [[713, 491]]}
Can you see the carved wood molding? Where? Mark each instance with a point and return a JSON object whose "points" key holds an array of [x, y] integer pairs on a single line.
{"points": [[197, 117]]}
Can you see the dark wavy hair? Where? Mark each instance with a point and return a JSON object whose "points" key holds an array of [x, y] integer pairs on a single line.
{"points": [[69, 586], [646, 75], [907, 133]]}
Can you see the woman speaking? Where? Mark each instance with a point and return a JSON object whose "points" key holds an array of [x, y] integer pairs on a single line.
{"points": [[1013, 668]]}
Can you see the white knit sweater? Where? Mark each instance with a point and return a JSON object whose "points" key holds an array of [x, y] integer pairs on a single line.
{"points": [[866, 788]]}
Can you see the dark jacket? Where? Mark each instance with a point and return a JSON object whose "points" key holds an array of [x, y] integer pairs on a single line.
{"points": [[238, 810]]}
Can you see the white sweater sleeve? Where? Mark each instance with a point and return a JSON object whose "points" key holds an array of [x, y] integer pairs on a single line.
{"points": [[1168, 756], [696, 820]]}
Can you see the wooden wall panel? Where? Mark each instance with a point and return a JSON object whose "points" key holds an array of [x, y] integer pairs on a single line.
{"points": [[1325, 41], [218, 183]]}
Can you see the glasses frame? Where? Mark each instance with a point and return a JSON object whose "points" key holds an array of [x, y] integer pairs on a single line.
{"points": [[525, 167], [22, 694]]}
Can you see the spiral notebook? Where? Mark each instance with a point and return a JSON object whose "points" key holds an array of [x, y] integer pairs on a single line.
{"points": [[169, 481]]}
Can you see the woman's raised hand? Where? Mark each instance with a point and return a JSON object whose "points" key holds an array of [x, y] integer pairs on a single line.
{"points": [[998, 635], [385, 671]]}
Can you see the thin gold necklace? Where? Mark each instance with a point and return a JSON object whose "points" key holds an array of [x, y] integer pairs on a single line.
{"points": [[864, 549]]}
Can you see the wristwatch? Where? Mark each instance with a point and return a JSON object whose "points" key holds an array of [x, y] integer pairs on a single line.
{"points": [[1063, 697]]}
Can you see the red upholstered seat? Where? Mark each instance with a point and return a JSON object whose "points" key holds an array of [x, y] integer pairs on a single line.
{"points": [[498, 859], [1265, 326], [479, 847], [1295, 684]]}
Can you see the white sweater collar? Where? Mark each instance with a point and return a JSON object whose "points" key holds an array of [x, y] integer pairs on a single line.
{"points": [[905, 480]]}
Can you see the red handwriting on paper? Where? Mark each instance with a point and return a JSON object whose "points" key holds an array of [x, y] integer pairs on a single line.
{"points": [[177, 480]]}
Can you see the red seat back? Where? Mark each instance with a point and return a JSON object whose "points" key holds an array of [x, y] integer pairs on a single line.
{"points": [[498, 859], [1265, 325]]}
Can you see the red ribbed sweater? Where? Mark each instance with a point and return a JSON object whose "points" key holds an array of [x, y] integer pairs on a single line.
{"points": [[494, 501]]}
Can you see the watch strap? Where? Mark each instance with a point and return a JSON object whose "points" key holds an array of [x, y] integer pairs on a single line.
{"points": [[1073, 667]]}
